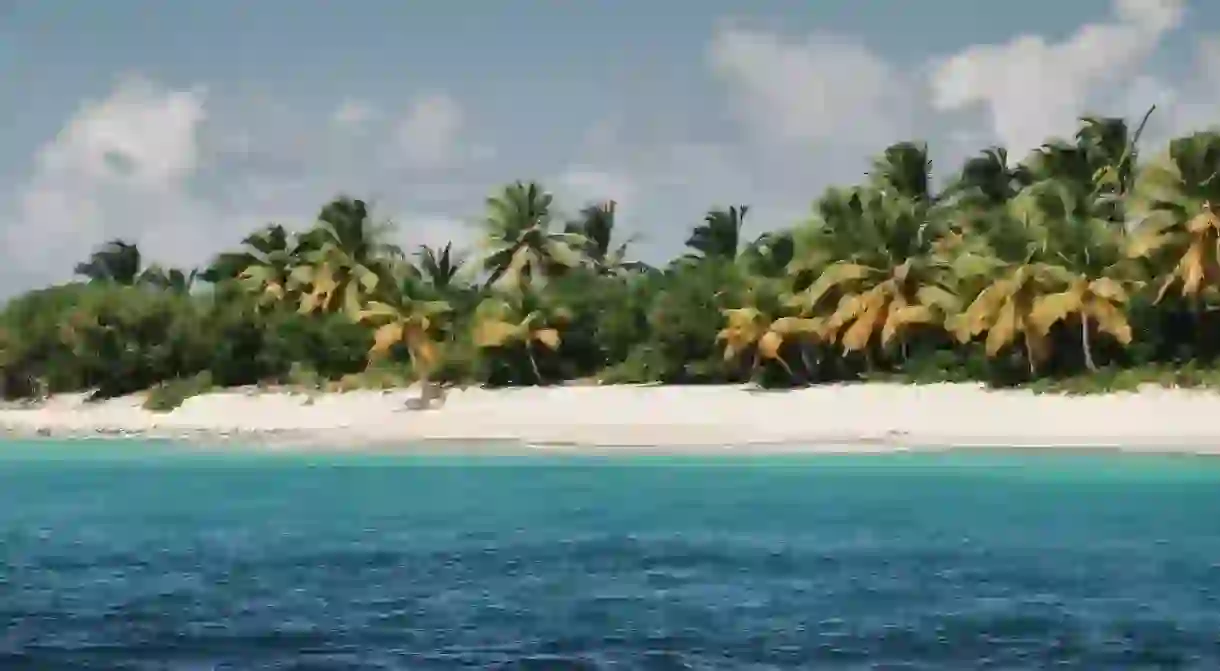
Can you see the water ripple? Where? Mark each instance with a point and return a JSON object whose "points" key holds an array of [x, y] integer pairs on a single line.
{"points": [[399, 573]]}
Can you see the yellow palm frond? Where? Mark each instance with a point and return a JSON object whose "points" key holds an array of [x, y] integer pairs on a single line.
{"points": [[548, 337], [939, 297], [902, 317], [1109, 289], [1004, 330], [1191, 267], [495, 333], [386, 337], [873, 310], [425, 352], [1110, 319], [834, 276], [377, 310], [769, 345]]}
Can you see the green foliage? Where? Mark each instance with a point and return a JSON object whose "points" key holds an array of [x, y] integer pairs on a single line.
{"points": [[128, 338], [685, 313], [1013, 274], [36, 360], [168, 395]]}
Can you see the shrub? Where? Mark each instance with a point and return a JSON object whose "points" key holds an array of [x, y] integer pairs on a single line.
{"points": [[168, 395]]}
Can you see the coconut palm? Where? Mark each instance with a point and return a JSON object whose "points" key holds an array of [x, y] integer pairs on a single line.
{"points": [[1086, 255], [347, 257], [520, 320], [519, 246], [117, 262], [596, 227], [905, 170], [1098, 302], [168, 279], [770, 254], [719, 236], [255, 248], [1177, 202], [985, 181], [1098, 166], [878, 274], [400, 319], [270, 258], [1022, 278], [263, 266], [440, 267], [1004, 310], [749, 329]]}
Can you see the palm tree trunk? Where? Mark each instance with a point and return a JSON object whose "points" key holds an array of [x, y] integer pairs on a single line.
{"points": [[1196, 303], [1029, 356], [529, 353], [804, 350], [1086, 345], [787, 369]]}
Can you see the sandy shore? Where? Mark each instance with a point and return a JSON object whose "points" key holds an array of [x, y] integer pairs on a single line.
{"points": [[876, 417]]}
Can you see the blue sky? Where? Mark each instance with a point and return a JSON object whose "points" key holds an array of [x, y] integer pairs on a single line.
{"points": [[183, 125]]}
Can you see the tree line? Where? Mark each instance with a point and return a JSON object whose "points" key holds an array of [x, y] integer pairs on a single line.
{"points": [[1082, 264]]}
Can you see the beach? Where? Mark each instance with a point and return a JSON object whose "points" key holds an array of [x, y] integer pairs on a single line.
{"points": [[851, 418]]}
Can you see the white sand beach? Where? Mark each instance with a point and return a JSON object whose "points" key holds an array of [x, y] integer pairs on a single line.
{"points": [[872, 417]]}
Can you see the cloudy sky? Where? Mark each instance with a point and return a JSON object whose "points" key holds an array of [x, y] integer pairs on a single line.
{"points": [[183, 125]]}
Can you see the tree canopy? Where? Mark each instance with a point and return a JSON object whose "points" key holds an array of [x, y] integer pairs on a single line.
{"points": [[1086, 259]]}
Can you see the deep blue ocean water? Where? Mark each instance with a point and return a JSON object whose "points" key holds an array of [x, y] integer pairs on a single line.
{"points": [[140, 556]]}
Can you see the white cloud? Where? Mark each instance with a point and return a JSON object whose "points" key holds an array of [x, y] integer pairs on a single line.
{"points": [[119, 168], [586, 184], [818, 89], [139, 137], [354, 114], [1183, 106], [430, 135], [155, 165], [186, 173], [1032, 89], [583, 184], [435, 230]]}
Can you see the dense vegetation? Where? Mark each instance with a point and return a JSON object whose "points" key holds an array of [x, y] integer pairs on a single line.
{"points": [[1082, 262]]}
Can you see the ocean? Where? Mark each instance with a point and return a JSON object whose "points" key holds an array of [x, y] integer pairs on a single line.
{"points": [[128, 555]]}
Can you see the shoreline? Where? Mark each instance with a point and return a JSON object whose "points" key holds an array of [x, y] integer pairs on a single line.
{"points": [[832, 419]]}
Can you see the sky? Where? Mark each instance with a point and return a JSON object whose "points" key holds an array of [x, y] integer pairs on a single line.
{"points": [[185, 125]]}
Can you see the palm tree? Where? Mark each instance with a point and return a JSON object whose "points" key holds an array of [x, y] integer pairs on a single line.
{"points": [[719, 236], [348, 256], [750, 329], [1021, 276], [1087, 257], [401, 319], [522, 320], [985, 181], [905, 170], [439, 267], [263, 266], [770, 254], [117, 262], [1099, 302], [877, 268], [520, 246], [1177, 199], [1111, 150], [1098, 167], [172, 279], [596, 227], [1004, 310]]}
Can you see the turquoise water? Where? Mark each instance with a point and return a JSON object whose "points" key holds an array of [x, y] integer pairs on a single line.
{"points": [[128, 556]]}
